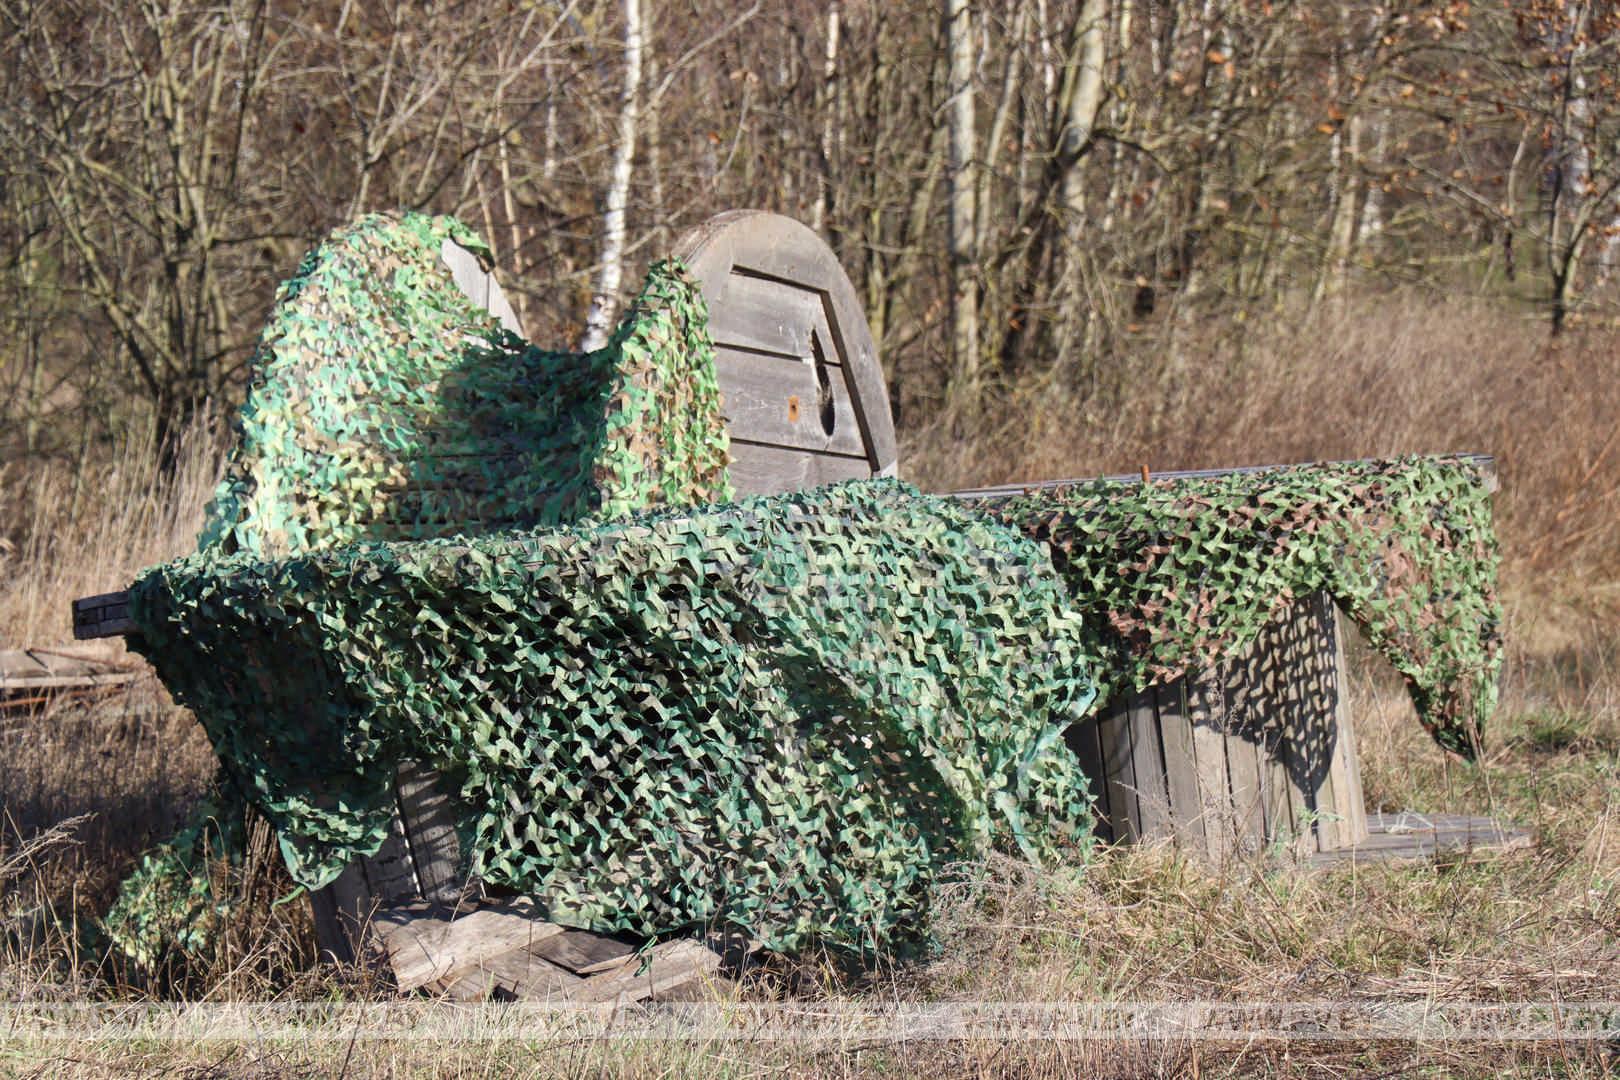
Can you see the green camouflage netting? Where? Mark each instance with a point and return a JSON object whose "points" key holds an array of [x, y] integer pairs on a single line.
{"points": [[786, 714], [385, 405], [1179, 575], [167, 904]]}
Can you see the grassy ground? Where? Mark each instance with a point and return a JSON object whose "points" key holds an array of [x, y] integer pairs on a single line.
{"points": [[87, 785]]}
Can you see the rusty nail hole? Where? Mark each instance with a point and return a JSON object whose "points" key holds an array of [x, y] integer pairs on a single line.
{"points": [[793, 409]]}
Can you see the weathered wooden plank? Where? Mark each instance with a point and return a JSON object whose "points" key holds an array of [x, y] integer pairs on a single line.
{"points": [[18, 683], [1114, 736], [28, 669], [1082, 740], [514, 975], [1274, 779], [1147, 763], [583, 952], [763, 470], [664, 967], [342, 912], [1348, 804], [1244, 761], [427, 816], [1206, 703], [1290, 657], [427, 945], [745, 248], [784, 403], [1181, 766], [390, 875], [1304, 669], [1394, 837], [765, 315], [478, 283], [330, 939]]}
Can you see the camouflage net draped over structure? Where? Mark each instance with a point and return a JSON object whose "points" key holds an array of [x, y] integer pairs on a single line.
{"points": [[787, 714], [385, 405], [1179, 575]]}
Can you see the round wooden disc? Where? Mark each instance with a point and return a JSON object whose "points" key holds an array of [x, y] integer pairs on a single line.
{"points": [[805, 400]]}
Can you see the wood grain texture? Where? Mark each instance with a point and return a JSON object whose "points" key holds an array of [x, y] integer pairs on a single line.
{"points": [[1393, 837], [1082, 741], [517, 975], [756, 468], [1349, 806], [342, 912], [1257, 754], [1181, 770], [767, 316], [776, 290], [783, 402], [583, 952], [1119, 771], [428, 946], [427, 816], [662, 968], [31, 670], [1153, 813], [1206, 713]]}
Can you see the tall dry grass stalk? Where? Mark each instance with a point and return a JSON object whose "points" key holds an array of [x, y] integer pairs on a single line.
{"points": [[68, 531]]}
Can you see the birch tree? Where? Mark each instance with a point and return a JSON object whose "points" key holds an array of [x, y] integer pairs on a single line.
{"points": [[964, 254], [610, 269]]}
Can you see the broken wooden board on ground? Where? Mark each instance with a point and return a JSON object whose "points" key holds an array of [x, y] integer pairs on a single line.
{"points": [[1407, 835], [31, 677], [505, 950]]}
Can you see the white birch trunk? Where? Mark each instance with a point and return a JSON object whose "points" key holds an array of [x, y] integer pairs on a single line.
{"points": [[959, 112], [1084, 106], [828, 100], [605, 298]]}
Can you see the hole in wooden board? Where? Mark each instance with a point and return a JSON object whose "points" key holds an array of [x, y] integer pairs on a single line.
{"points": [[829, 417], [793, 409]]}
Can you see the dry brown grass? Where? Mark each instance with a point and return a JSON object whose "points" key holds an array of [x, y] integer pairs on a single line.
{"points": [[1141, 924], [67, 532]]}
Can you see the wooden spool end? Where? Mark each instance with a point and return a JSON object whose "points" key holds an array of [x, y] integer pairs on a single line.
{"points": [[805, 401]]}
